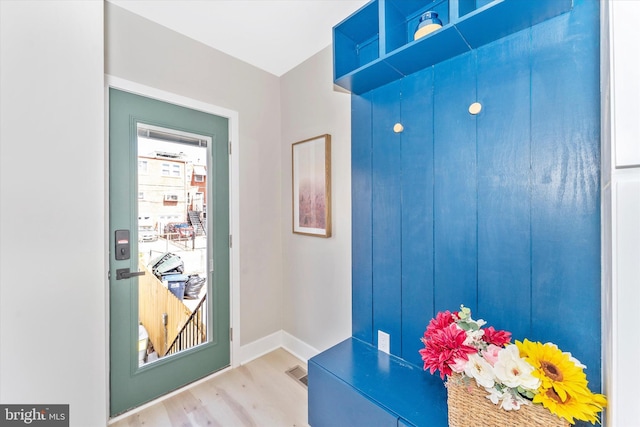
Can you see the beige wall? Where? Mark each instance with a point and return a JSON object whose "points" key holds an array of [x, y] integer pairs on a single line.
{"points": [[317, 271], [146, 53]]}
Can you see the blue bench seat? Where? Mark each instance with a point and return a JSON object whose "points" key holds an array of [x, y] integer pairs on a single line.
{"points": [[354, 384]]}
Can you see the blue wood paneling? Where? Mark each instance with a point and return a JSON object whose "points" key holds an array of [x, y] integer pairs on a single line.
{"points": [[361, 241], [387, 263], [417, 210], [565, 189], [503, 140], [455, 241], [507, 17], [499, 211]]}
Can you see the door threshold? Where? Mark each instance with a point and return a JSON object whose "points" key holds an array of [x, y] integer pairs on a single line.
{"points": [[159, 399]]}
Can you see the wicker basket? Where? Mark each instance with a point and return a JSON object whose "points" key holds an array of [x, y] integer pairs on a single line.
{"points": [[469, 407]]}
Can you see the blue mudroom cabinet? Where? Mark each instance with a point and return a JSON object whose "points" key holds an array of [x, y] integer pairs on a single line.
{"points": [[497, 210]]}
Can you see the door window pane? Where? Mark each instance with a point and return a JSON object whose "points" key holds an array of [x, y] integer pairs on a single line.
{"points": [[172, 244]]}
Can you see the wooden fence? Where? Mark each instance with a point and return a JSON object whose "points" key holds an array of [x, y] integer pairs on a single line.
{"points": [[160, 312]]}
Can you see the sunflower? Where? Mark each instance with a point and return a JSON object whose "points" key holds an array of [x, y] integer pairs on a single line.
{"points": [[583, 407], [563, 388]]}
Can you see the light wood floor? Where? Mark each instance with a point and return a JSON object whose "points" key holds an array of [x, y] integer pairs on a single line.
{"points": [[258, 394]]}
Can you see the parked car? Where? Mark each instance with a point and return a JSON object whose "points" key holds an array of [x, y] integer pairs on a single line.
{"points": [[147, 234]]}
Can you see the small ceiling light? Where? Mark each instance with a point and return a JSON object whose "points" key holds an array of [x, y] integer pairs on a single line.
{"points": [[429, 22]]}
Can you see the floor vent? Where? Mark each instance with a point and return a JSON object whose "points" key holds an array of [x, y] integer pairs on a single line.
{"points": [[299, 374]]}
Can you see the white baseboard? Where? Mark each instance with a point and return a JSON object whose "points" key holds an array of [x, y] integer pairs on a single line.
{"points": [[260, 347], [297, 347], [280, 339]]}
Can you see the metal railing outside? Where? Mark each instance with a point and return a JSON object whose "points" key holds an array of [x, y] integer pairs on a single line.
{"points": [[194, 331]]}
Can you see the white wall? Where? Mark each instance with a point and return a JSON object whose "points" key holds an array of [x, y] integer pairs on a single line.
{"points": [[52, 208], [621, 211], [317, 271], [141, 51]]}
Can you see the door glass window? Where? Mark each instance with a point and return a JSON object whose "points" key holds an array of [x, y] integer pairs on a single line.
{"points": [[172, 242]]}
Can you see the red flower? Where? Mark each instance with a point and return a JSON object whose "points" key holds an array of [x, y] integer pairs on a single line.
{"points": [[441, 321], [442, 346], [499, 338]]}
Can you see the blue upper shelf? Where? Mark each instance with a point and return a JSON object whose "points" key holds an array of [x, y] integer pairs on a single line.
{"points": [[375, 45]]}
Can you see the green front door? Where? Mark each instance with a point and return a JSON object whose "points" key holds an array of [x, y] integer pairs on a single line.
{"points": [[168, 219]]}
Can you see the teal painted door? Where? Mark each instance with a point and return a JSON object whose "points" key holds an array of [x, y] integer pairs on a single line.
{"points": [[169, 188]]}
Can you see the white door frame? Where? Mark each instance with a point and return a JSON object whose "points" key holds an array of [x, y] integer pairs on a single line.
{"points": [[234, 189]]}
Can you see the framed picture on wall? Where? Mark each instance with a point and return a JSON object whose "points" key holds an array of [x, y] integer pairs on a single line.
{"points": [[311, 186]]}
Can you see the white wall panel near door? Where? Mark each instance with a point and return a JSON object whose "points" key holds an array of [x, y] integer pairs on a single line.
{"points": [[626, 65], [627, 296], [621, 153], [53, 339]]}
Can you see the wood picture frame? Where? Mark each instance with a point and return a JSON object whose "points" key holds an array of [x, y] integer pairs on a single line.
{"points": [[311, 186]]}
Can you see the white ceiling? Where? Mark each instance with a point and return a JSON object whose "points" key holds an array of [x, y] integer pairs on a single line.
{"points": [[274, 35]]}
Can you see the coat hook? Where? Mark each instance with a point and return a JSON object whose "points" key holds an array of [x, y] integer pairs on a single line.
{"points": [[475, 108]]}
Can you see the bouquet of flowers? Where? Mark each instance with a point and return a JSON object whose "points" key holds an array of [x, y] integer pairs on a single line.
{"points": [[512, 374]]}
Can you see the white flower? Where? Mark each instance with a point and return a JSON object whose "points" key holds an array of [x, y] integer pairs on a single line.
{"points": [[474, 338], [508, 399], [481, 370], [476, 335], [513, 371], [495, 395], [511, 401]]}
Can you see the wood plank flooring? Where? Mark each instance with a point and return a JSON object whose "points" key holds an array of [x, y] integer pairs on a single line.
{"points": [[258, 394]]}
